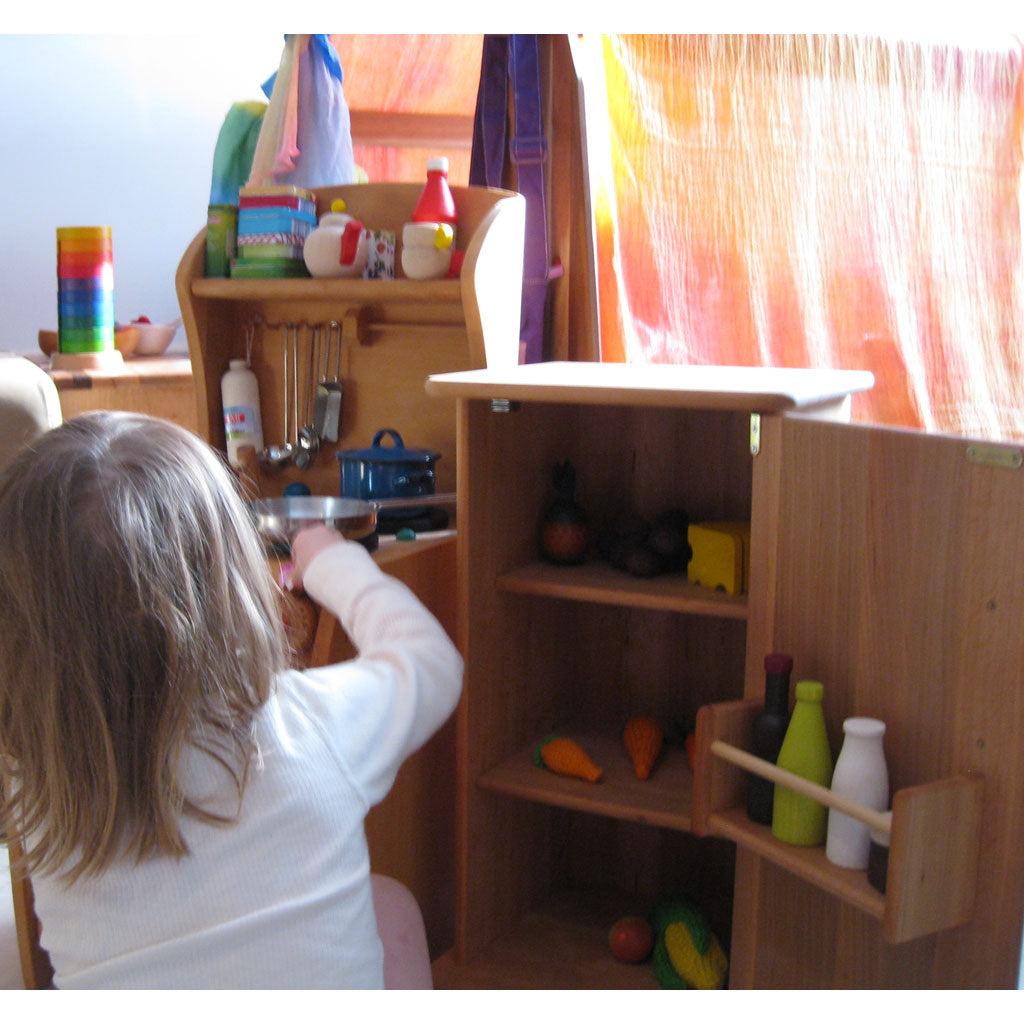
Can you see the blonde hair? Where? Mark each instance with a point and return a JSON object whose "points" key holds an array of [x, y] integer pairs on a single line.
{"points": [[138, 618]]}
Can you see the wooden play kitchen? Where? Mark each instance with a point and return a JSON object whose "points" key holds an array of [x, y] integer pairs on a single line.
{"points": [[386, 337], [881, 559], [884, 560]]}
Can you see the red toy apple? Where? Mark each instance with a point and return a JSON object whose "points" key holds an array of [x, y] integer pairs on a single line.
{"points": [[631, 939]]}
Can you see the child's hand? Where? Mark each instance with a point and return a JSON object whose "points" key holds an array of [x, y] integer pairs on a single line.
{"points": [[308, 543]]}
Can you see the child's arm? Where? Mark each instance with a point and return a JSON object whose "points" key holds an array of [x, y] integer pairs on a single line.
{"points": [[407, 677]]}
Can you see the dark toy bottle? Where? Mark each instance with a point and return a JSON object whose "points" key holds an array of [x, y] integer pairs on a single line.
{"points": [[769, 731]]}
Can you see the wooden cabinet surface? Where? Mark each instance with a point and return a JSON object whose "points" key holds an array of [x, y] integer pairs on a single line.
{"points": [[547, 863], [890, 565], [885, 561], [158, 385]]}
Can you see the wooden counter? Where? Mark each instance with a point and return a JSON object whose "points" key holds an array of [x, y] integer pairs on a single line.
{"points": [[158, 385]]}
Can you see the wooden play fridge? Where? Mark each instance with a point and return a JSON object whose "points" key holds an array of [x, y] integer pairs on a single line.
{"points": [[393, 334], [887, 562]]}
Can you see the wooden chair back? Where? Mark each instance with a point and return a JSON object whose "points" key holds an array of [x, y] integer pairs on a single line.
{"points": [[36, 969]]}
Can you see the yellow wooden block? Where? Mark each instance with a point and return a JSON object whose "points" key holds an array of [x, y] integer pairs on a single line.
{"points": [[718, 556]]}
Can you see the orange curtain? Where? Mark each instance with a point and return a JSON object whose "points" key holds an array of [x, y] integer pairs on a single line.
{"points": [[823, 202], [410, 74]]}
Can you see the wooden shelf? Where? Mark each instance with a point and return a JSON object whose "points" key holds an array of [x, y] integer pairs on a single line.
{"points": [[398, 330], [561, 945], [357, 290], [603, 584], [663, 799], [934, 836], [849, 885]]}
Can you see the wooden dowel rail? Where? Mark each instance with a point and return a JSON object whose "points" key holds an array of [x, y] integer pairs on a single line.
{"points": [[881, 821]]}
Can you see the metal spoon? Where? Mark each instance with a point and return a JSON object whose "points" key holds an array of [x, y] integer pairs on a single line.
{"points": [[279, 454]]}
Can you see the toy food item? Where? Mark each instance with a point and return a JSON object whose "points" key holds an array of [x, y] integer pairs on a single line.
{"points": [[563, 527], [686, 953], [631, 939], [669, 538], [567, 757], [642, 737]]}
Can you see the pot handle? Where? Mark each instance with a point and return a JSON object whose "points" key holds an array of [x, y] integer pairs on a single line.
{"points": [[422, 476], [396, 438]]}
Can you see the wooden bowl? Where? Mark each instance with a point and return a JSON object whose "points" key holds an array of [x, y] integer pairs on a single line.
{"points": [[125, 341]]}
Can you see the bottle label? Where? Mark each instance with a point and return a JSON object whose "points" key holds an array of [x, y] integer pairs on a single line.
{"points": [[242, 423]]}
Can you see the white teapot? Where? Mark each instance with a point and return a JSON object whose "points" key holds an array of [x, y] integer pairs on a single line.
{"points": [[337, 246]]}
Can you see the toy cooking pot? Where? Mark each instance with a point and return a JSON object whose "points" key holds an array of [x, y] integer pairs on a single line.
{"points": [[387, 471]]}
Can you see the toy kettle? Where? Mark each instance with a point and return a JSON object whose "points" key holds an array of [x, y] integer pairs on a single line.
{"points": [[337, 246]]}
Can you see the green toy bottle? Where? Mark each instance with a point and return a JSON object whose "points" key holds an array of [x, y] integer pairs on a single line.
{"points": [[798, 819]]}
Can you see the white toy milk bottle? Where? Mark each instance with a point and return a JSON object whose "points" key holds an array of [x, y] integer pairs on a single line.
{"points": [[240, 397]]}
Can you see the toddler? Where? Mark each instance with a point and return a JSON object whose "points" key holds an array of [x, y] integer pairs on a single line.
{"points": [[192, 808]]}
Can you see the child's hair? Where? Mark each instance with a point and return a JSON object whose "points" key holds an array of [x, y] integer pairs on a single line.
{"points": [[138, 617]]}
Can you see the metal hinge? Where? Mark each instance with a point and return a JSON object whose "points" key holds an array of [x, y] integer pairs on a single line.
{"points": [[755, 433], [996, 456]]}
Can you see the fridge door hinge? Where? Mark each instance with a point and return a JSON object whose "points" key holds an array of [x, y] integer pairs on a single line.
{"points": [[755, 433], [996, 456]]}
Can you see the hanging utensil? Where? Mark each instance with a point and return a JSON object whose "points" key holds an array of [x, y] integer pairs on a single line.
{"points": [[307, 439], [321, 396], [333, 387], [279, 454]]}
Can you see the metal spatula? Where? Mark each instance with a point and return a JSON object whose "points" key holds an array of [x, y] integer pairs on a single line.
{"points": [[321, 353], [333, 387]]}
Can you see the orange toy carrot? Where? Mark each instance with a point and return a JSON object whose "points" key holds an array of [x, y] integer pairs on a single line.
{"points": [[642, 738], [567, 757]]}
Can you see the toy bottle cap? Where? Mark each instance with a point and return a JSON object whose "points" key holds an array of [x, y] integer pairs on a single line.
{"points": [[438, 163], [778, 664], [338, 206], [810, 690]]}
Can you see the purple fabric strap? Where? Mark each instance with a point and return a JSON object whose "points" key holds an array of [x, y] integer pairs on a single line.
{"points": [[515, 58]]}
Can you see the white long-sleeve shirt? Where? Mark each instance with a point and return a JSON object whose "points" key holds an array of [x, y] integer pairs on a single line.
{"points": [[281, 898]]}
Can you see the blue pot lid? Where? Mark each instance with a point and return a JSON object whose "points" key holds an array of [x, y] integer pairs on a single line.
{"points": [[394, 452]]}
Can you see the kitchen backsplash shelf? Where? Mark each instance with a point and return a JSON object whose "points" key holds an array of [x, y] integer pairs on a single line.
{"points": [[395, 333]]}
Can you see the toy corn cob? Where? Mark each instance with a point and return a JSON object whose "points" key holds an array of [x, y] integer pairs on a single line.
{"points": [[566, 757], [642, 738]]}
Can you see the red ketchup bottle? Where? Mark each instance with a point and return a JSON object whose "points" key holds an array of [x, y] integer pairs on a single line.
{"points": [[436, 204]]}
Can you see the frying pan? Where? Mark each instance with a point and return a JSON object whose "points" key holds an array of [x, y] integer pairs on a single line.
{"points": [[279, 519]]}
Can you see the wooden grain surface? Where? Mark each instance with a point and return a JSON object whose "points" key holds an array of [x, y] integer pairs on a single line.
{"points": [[888, 564]]}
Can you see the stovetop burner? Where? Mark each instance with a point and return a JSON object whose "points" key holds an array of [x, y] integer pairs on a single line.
{"points": [[422, 522]]}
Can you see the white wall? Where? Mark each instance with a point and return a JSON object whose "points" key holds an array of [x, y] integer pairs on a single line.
{"points": [[118, 130]]}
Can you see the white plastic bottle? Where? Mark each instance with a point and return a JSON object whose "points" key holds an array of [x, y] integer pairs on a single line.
{"points": [[240, 397], [861, 775]]}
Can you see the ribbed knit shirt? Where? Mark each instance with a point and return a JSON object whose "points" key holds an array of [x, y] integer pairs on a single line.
{"points": [[281, 897]]}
